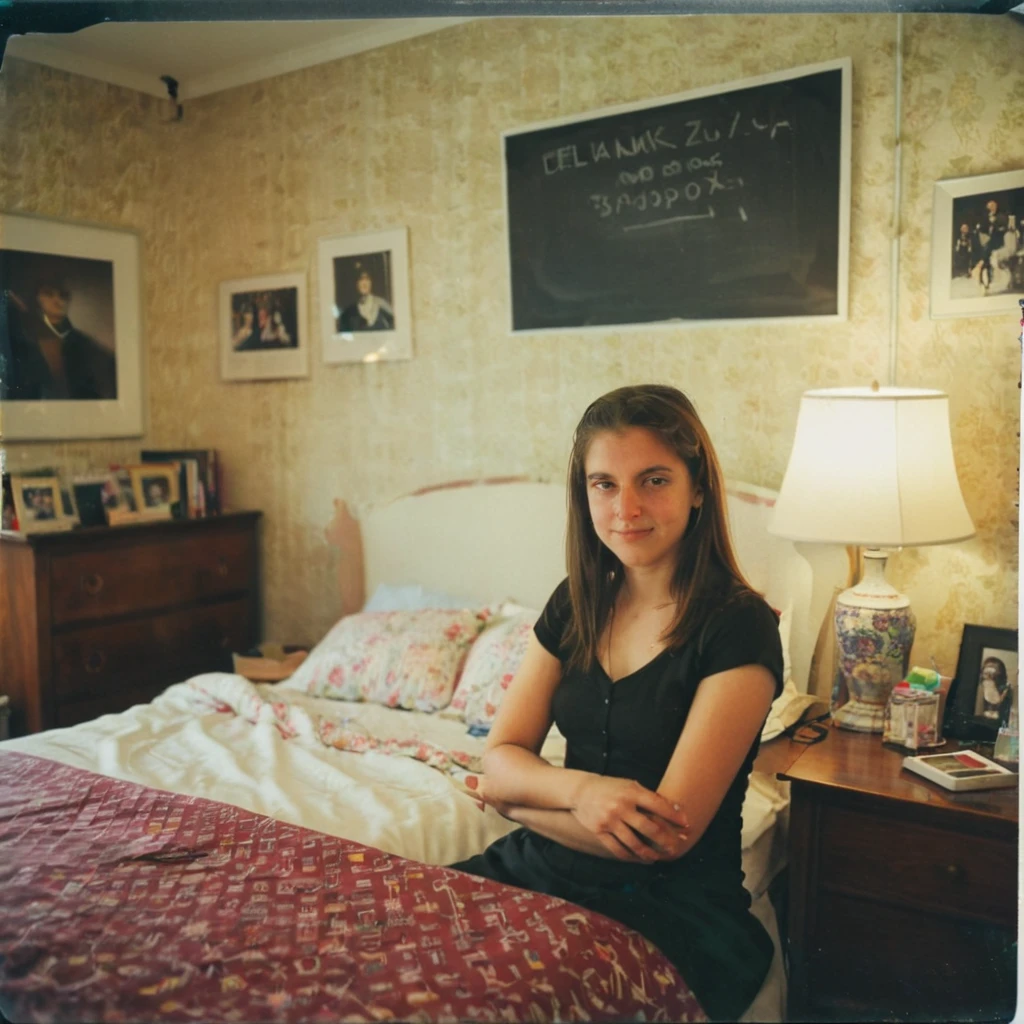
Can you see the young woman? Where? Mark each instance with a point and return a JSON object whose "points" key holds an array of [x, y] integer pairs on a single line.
{"points": [[659, 664]]}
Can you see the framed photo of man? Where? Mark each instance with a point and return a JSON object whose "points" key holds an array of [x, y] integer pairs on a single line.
{"points": [[977, 245], [70, 330], [263, 330], [365, 313]]}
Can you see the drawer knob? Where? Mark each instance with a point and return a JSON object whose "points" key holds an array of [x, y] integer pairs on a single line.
{"points": [[92, 583], [955, 872], [222, 567], [95, 662]]}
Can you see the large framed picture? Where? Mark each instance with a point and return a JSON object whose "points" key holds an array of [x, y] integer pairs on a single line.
{"points": [[70, 330], [727, 204], [263, 331], [365, 313], [977, 251], [985, 688]]}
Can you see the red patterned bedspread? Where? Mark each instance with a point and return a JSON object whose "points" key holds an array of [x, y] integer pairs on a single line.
{"points": [[125, 903]]}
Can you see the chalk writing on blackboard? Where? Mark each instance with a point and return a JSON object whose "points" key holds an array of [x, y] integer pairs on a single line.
{"points": [[726, 205]]}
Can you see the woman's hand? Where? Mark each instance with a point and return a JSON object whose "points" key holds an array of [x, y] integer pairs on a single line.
{"points": [[632, 822], [478, 784]]}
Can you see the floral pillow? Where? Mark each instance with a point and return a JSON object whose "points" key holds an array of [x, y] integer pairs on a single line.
{"points": [[493, 661], [404, 659]]}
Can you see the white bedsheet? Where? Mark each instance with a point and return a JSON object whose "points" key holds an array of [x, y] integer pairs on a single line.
{"points": [[387, 801]]}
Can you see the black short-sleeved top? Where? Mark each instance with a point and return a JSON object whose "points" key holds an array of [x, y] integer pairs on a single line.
{"points": [[695, 909], [629, 729]]}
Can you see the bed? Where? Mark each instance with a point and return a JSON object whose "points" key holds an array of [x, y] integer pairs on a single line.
{"points": [[244, 851]]}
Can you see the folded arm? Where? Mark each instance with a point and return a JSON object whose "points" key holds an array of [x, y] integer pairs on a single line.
{"points": [[583, 810]]}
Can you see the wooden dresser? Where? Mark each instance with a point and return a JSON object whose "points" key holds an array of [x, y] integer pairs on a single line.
{"points": [[903, 895], [95, 620]]}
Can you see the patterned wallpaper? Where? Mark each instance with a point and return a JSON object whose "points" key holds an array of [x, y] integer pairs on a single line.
{"points": [[410, 135]]}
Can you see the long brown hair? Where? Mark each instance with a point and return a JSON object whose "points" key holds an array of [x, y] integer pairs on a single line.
{"points": [[707, 572]]}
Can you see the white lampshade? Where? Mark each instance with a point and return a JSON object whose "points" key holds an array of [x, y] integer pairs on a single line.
{"points": [[872, 468]]}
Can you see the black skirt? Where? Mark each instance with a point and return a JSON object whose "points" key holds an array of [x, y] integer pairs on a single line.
{"points": [[721, 950]]}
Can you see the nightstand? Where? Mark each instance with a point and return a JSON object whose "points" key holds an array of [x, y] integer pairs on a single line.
{"points": [[902, 895], [97, 619]]}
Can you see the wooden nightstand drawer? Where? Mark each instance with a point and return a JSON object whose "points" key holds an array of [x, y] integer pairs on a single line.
{"points": [[899, 957], [151, 651], [919, 865], [139, 576]]}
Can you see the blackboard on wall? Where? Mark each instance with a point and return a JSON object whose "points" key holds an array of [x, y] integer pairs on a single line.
{"points": [[726, 204]]}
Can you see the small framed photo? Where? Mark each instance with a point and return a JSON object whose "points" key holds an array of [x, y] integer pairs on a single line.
{"points": [[263, 329], [365, 314], [118, 498], [977, 245], [985, 688], [155, 488], [38, 504], [88, 492]]}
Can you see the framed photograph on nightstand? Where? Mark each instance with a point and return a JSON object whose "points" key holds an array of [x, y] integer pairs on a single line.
{"points": [[985, 688]]}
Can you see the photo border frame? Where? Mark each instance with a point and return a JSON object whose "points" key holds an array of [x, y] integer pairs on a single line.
{"points": [[273, 364], [961, 721], [941, 305], [366, 346], [26, 525], [71, 420], [843, 214], [168, 471]]}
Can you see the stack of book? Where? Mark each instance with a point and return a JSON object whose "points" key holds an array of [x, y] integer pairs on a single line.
{"points": [[199, 485]]}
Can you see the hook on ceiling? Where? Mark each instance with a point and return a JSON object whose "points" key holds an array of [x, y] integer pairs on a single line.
{"points": [[172, 94]]}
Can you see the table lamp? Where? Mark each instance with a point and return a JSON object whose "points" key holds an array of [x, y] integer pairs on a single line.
{"points": [[872, 468]]}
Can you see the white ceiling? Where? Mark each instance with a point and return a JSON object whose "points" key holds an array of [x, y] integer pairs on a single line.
{"points": [[206, 57]]}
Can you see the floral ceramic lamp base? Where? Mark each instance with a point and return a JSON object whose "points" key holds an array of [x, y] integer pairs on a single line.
{"points": [[874, 634]]}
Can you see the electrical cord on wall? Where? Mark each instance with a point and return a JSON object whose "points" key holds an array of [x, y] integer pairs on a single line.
{"points": [[897, 227]]}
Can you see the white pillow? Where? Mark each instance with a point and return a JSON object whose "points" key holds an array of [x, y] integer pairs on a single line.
{"points": [[413, 597], [790, 704]]}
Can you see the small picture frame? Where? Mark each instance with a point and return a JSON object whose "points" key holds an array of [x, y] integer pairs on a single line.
{"points": [[88, 494], [365, 314], [263, 328], [977, 245], [155, 488], [985, 687], [38, 504], [119, 502]]}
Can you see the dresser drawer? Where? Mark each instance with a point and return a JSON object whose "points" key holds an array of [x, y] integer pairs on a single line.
{"points": [[920, 865], [95, 661], [138, 575]]}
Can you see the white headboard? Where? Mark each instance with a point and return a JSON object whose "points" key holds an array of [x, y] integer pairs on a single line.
{"points": [[496, 539]]}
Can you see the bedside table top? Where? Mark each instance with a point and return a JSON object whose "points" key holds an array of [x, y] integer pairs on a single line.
{"points": [[858, 762]]}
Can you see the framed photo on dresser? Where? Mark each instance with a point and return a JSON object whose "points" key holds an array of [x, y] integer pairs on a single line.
{"points": [[71, 330]]}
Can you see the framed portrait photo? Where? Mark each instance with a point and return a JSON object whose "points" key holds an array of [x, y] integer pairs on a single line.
{"points": [[39, 504], [985, 687], [977, 245], [70, 330], [155, 488], [365, 314], [263, 328]]}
